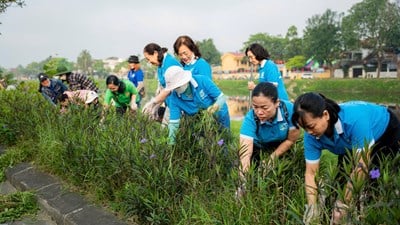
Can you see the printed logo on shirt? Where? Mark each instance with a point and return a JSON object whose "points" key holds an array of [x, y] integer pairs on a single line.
{"points": [[283, 126], [202, 94], [262, 75]]}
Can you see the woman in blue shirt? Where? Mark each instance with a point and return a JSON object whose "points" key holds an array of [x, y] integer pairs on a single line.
{"points": [[159, 57], [267, 128], [268, 71], [190, 57], [191, 94], [339, 128]]}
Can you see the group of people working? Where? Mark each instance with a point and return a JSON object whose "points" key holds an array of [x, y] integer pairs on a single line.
{"points": [[272, 127], [269, 129]]}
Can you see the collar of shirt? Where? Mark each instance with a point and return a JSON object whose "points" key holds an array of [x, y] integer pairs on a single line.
{"points": [[262, 63], [193, 61]]}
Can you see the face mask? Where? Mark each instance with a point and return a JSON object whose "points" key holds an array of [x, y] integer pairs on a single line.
{"points": [[182, 88]]}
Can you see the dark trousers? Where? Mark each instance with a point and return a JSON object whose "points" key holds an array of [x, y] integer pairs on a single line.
{"points": [[388, 145], [267, 148]]}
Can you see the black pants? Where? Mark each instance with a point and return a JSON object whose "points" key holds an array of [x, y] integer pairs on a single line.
{"points": [[267, 148], [387, 145], [121, 110]]}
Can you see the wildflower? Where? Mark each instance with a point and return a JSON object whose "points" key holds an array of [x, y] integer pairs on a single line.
{"points": [[374, 174], [152, 156], [144, 140], [220, 142]]}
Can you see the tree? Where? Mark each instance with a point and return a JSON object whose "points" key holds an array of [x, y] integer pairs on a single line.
{"points": [[99, 69], [84, 62], [4, 4], [322, 38], [374, 25], [209, 52], [297, 62], [293, 44]]}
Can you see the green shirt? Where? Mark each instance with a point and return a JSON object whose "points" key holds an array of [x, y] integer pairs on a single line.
{"points": [[124, 98]]}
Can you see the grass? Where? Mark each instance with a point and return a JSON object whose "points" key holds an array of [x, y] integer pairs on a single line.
{"points": [[126, 163]]}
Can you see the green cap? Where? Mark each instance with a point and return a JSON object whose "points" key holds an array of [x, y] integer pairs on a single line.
{"points": [[55, 67]]}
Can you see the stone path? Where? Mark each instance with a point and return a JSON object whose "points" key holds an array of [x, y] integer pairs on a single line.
{"points": [[58, 206]]}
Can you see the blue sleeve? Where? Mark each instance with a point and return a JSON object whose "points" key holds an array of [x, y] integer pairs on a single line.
{"points": [[174, 110], [249, 126], [312, 149], [139, 75], [203, 68], [212, 90], [272, 73]]}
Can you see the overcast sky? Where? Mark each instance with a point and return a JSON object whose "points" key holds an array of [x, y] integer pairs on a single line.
{"points": [[123, 27]]}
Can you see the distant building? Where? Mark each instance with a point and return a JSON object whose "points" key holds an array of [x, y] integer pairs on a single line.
{"points": [[111, 62], [364, 64]]}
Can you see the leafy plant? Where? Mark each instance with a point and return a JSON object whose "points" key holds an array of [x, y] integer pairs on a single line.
{"points": [[14, 206]]}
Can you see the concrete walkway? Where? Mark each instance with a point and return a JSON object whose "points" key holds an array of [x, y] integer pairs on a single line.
{"points": [[58, 206]]}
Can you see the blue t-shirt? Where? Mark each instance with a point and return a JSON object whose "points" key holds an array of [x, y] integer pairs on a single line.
{"points": [[204, 94], [360, 124], [135, 76], [268, 132], [168, 61], [269, 72], [199, 67]]}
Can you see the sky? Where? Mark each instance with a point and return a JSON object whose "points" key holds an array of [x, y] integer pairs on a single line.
{"points": [[120, 28]]}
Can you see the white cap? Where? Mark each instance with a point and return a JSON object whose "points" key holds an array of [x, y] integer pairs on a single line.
{"points": [[175, 77], [91, 96]]}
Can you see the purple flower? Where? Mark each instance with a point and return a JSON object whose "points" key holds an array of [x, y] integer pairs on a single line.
{"points": [[220, 142], [152, 156], [144, 140], [374, 174]]}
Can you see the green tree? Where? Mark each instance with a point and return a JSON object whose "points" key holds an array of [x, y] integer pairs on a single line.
{"points": [[4, 4], [296, 62], [99, 69], [85, 62], [374, 25], [209, 52], [6, 78], [322, 38], [293, 44]]}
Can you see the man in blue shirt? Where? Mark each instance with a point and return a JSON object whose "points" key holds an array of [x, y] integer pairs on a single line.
{"points": [[135, 75], [189, 95]]}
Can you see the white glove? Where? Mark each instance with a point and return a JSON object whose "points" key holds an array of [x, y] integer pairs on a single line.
{"points": [[339, 212], [133, 106], [151, 109], [213, 108], [311, 214], [240, 192]]}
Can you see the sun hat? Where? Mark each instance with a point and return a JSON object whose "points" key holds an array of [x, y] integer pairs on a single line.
{"points": [[91, 96], [175, 77], [133, 59]]}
